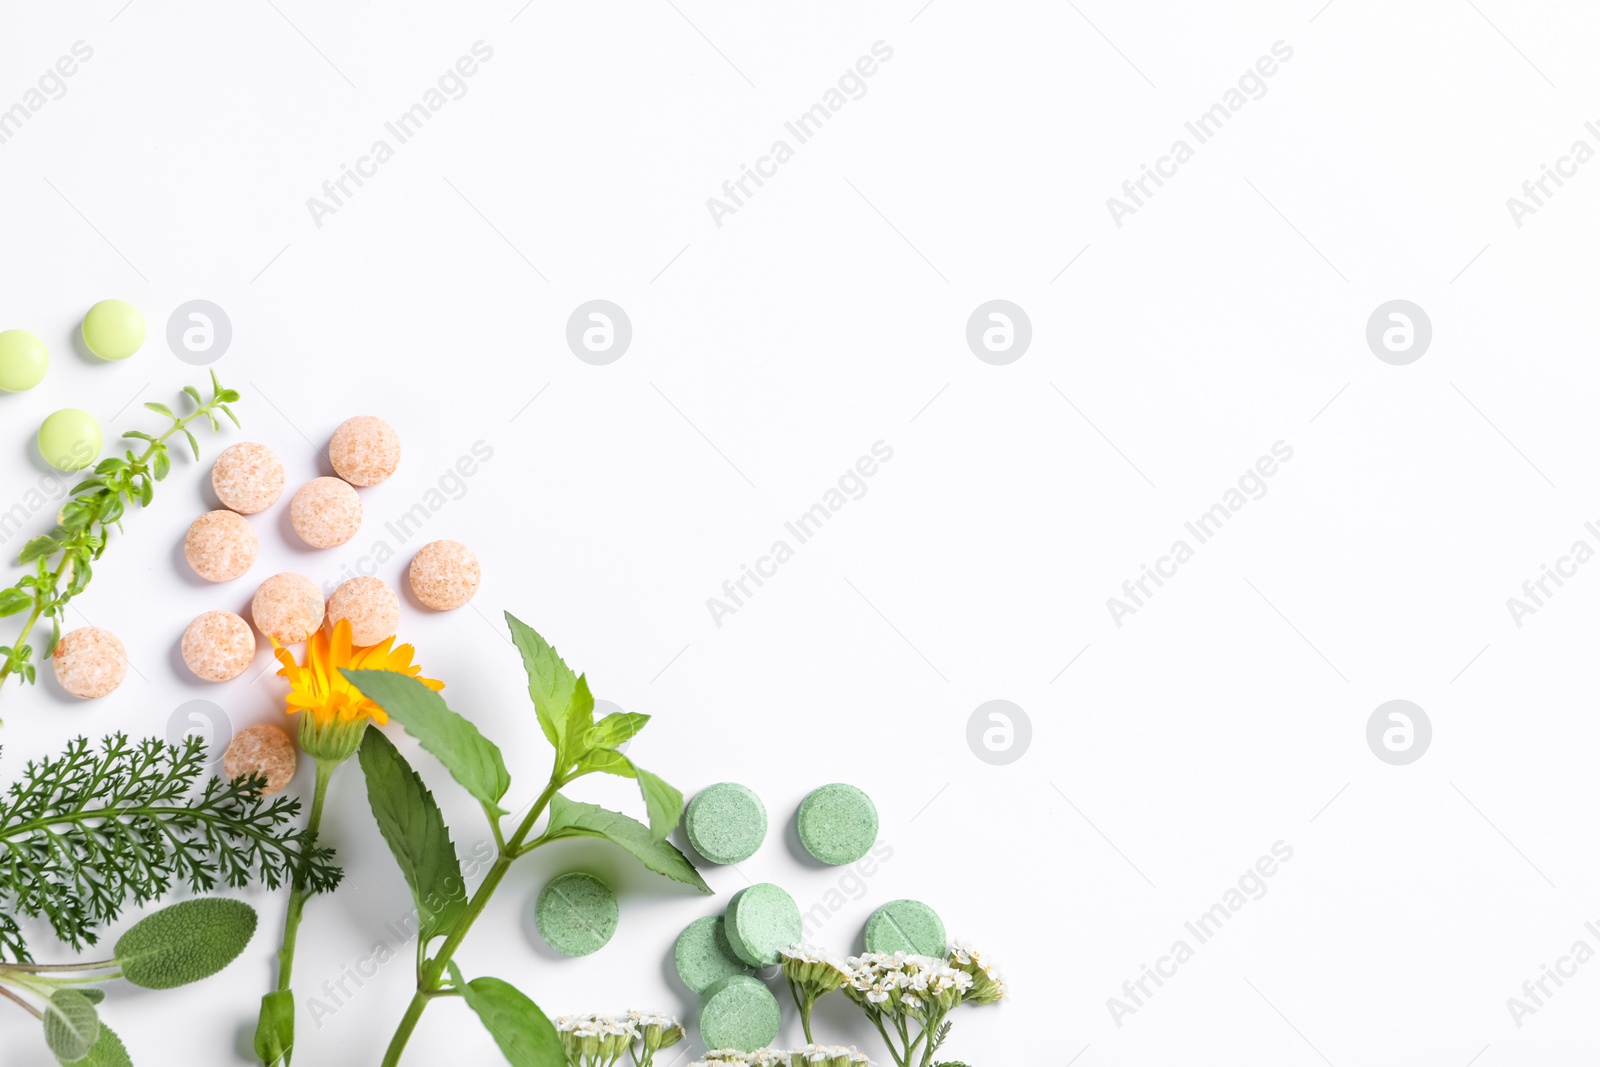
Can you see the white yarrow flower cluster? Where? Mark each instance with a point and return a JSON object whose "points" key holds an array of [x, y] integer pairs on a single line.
{"points": [[601, 1040], [807, 1056], [988, 984], [917, 986]]}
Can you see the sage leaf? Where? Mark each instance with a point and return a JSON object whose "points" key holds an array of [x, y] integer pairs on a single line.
{"points": [[471, 759], [524, 1033], [569, 819], [108, 1051], [185, 942], [412, 824], [71, 1025]]}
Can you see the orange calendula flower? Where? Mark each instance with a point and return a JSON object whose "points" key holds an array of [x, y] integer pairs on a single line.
{"points": [[334, 713]]}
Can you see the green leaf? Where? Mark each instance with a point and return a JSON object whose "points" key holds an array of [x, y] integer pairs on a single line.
{"points": [[471, 759], [192, 442], [138, 435], [569, 819], [37, 548], [662, 801], [614, 729], [95, 994], [161, 465], [561, 699], [413, 826], [603, 761], [81, 573], [14, 601], [71, 1025], [160, 409], [226, 410], [525, 1034], [108, 1051], [53, 640], [274, 1040], [185, 942], [194, 394]]}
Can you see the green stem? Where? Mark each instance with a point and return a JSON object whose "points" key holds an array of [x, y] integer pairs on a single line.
{"points": [[23, 1004], [298, 894], [428, 977]]}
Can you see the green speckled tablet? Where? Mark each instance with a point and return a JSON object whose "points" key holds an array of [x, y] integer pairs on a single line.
{"points": [[726, 823], [761, 920], [838, 823], [907, 926], [576, 914], [703, 955], [740, 1013]]}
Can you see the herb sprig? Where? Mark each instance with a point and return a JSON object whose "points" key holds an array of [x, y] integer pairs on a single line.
{"points": [[82, 833], [63, 559]]}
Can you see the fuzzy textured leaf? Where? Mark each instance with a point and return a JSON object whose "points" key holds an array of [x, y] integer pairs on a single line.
{"points": [[71, 1025], [185, 942], [569, 818], [108, 1051], [414, 828]]}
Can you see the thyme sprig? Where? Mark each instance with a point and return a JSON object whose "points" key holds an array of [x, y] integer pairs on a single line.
{"points": [[63, 559], [84, 832]]}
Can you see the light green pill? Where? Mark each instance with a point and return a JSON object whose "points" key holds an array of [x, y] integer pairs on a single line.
{"points": [[704, 957], [113, 329], [907, 926], [739, 1013], [70, 440], [762, 920], [576, 914], [838, 823], [23, 361], [726, 823]]}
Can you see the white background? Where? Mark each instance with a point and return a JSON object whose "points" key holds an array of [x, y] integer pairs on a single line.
{"points": [[828, 314]]}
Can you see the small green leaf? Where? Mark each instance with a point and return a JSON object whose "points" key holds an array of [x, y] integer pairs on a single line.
{"points": [[226, 410], [194, 394], [524, 1033], [110, 466], [111, 510], [108, 1051], [414, 828], [551, 684], [185, 942], [81, 573], [95, 995], [569, 819], [13, 602], [38, 548], [138, 435], [603, 761], [161, 465], [71, 1025], [614, 729], [147, 488], [53, 640], [274, 1039], [662, 801], [471, 758], [192, 442], [160, 409], [228, 396]]}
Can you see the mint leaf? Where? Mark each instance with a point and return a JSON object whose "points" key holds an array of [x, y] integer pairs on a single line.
{"points": [[470, 758], [412, 824], [524, 1033], [569, 819], [614, 729], [662, 801], [551, 682]]}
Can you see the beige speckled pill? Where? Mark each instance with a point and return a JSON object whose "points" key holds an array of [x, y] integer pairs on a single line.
{"points": [[365, 450], [288, 608], [90, 663], [445, 575], [264, 750], [218, 646], [220, 546], [326, 512], [372, 608], [248, 477]]}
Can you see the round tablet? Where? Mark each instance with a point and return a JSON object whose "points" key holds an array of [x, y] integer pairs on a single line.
{"points": [[576, 913], [704, 957], [248, 477], [23, 361], [288, 608], [445, 575], [761, 920], [326, 512], [365, 450], [70, 439], [113, 329], [218, 646], [220, 546], [739, 1013], [90, 663], [265, 750], [726, 823], [838, 823], [907, 926], [372, 608]]}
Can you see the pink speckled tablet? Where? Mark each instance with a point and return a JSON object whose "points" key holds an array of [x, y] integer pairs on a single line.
{"points": [[248, 477], [288, 608], [445, 575], [365, 450], [326, 512], [220, 546], [90, 663], [372, 608], [265, 750], [218, 646]]}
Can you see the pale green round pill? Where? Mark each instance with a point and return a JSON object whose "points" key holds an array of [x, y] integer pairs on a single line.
{"points": [[762, 920], [838, 823], [907, 926], [113, 329], [704, 957], [576, 914], [23, 361], [739, 1013], [70, 440], [726, 822]]}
